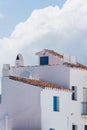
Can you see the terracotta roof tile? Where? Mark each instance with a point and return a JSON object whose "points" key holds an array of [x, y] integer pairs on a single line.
{"points": [[78, 65], [52, 52], [38, 83]]}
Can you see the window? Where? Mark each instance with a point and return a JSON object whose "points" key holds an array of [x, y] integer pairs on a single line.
{"points": [[74, 127], [0, 98], [74, 93], [17, 58], [44, 60], [85, 127], [55, 103], [84, 102], [84, 94]]}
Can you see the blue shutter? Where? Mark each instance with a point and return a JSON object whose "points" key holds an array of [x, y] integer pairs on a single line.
{"points": [[55, 103], [44, 60]]}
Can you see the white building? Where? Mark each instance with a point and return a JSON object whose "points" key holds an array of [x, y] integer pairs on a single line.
{"points": [[48, 96]]}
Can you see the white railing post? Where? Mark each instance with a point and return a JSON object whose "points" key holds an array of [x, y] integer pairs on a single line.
{"points": [[6, 122]]}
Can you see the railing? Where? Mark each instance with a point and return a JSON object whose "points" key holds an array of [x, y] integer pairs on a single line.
{"points": [[84, 108]]}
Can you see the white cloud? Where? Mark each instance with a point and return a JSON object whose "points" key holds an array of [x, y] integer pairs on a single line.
{"points": [[64, 30]]}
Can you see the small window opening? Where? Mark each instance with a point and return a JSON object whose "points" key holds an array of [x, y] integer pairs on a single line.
{"points": [[74, 93], [17, 57]]}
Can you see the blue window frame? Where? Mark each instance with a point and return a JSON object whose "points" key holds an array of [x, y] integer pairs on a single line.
{"points": [[55, 103], [44, 60]]}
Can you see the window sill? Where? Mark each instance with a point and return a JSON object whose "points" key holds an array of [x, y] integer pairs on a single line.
{"points": [[74, 99]]}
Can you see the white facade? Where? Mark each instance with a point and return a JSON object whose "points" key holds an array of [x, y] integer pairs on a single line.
{"points": [[21, 102], [48, 96], [55, 119], [78, 79]]}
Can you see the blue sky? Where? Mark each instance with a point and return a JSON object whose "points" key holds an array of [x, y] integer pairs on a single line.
{"points": [[15, 11]]}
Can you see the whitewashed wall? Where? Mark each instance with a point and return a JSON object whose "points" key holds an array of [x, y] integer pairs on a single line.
{"points": [[21, 102], [70, 111], [78, 78], [54, 74], [51, 119], [58, 74]]}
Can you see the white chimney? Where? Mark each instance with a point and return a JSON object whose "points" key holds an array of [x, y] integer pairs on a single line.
{"points": [[19, 60], [6, 68]]}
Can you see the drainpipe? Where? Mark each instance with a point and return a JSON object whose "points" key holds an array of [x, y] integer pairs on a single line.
{"points": [[6, 122], [67, 123]]}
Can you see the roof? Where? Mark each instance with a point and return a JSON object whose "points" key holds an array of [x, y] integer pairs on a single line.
{"points": [[78, 65], [51, 52], [38, 83]]}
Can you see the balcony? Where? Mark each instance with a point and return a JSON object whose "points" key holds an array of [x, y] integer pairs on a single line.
{"points": [[84, 108]]}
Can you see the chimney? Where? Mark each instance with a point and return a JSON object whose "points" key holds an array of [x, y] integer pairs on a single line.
{"points": [[6, 68], [19, 60]]}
